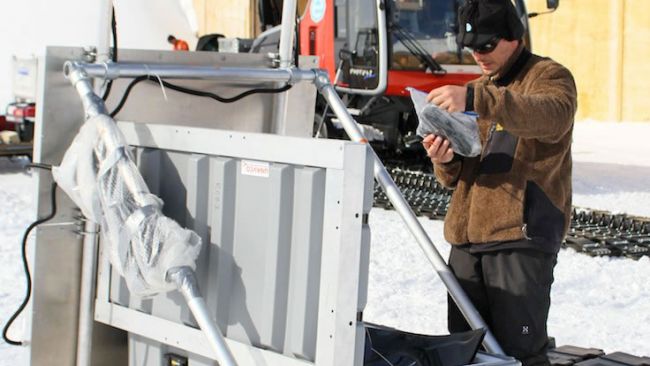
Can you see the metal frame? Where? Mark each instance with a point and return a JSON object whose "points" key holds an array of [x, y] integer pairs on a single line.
{"points": [[328, 91], [53, 321], [340, 337], [241, 75]]}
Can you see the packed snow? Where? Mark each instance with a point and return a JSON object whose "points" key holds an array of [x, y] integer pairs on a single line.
{"points": [[596, 302]]}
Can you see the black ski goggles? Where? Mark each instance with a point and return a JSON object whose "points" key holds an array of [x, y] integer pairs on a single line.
{"points": [[486, 47]]}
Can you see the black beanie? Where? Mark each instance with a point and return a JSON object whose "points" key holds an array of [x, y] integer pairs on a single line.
{"points": [[480, 21]]}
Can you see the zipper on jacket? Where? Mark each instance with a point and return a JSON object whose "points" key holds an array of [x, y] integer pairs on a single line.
{"points": [[524, 230], [493, 128]]}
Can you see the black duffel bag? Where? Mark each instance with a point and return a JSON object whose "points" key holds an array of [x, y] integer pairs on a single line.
{"points": [[391, 347]]}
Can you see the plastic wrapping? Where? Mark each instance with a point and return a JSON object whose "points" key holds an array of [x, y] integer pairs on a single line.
{"points": [[99, 175], [459, 128]]}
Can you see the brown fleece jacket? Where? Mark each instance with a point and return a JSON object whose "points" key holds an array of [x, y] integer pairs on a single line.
{"points": [[519, 189]]}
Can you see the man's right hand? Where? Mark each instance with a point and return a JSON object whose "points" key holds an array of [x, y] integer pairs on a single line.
{"points": [[438, 149]]}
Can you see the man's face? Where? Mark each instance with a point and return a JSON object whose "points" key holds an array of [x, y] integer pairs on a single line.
{"points": [[490, 63]]}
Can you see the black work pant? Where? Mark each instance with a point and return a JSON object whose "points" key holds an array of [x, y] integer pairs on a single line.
{"points": [[511, 290]]}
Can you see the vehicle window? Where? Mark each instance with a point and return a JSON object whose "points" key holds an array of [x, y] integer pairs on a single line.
{"points": [[431, 24]]}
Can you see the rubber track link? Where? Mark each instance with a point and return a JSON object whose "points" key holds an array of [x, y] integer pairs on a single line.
{"points": [[578, 356], [593, 232]]}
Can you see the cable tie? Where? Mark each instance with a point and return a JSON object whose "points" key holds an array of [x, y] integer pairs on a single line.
{"points": [[105, 77], [162, 86]]}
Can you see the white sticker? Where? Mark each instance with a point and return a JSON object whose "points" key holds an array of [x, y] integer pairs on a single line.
{"points": [[317, 10], [255, 168]]}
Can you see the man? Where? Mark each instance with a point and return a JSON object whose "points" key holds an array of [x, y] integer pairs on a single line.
{"points": [[511, 205]]}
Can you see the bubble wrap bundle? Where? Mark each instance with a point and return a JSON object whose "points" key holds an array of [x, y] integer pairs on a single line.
{"points": [[99, 175], [459, 128]]}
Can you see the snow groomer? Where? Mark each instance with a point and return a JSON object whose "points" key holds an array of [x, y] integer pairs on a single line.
{"points": [[511, 205]]}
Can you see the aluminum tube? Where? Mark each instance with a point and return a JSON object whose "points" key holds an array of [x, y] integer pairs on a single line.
{"points": [[170, 71], [185, 280], [87, 295], [93, 104], [280, 105], [287, 33], [184, 277], [281, 102], [402, 207], [104, 34]]}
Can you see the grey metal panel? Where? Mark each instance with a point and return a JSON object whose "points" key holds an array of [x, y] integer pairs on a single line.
{"points": [[149, 102], [340, 338], [174, 185], [281, 243], [262, 269], [187, 338], [281, 149], [223, 272], [299, 113], [262, 229], [144, 351], [54, 316], [198, 175], [55, 258], [364, 267], [55, 298], [113, 346], [304, 281], [119, 293], [149, 162]]}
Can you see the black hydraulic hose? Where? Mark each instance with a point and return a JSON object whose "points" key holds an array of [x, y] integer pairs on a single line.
{"points": [[28, 276], [107, 91], [197, 93]]}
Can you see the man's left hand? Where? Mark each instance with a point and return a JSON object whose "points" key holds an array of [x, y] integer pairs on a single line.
{"points": [[449, 97]]}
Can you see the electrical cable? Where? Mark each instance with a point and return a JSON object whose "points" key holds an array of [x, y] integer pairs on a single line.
{"points": [[171, 86], [197, 93], [107, 91], [534, 14], [28, 291]]}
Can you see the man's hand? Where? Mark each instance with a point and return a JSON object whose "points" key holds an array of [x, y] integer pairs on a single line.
{"points": [[449, 97], [438, 149]]}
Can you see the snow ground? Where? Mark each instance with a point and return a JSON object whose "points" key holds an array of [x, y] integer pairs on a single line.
{"points": [[596, 302]]}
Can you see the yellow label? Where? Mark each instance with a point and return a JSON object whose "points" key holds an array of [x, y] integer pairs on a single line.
{"points": [[498, 127]]}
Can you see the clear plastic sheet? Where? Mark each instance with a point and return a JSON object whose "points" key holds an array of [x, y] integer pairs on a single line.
{"points": [[99, 175], [459, 128]]}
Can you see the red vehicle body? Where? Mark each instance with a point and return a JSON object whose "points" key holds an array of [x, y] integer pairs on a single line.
{"points": [[20, 117], [317, 38]]}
